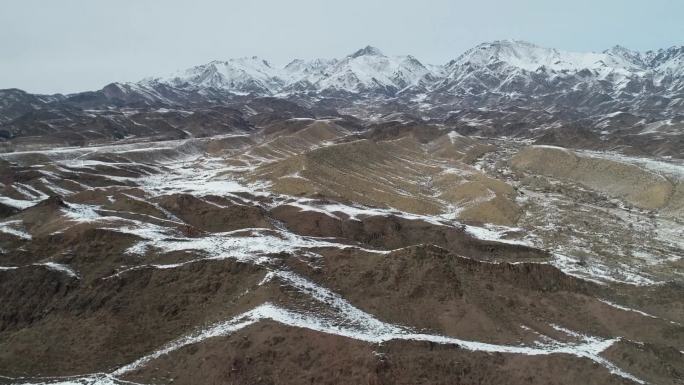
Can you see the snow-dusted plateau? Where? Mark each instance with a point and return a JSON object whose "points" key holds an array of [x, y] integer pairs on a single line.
{"points": [[514, 216]]}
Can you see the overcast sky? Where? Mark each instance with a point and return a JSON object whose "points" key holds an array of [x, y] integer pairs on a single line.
{"points": [[75, 45]]}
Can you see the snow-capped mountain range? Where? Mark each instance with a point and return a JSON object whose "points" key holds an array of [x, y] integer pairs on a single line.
{"points": [[367, 70], [500, 66], [515, 66], [605, 100], [500, 81]]}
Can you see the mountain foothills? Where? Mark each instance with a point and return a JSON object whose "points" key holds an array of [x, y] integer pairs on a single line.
{"points": [[513, 216]]}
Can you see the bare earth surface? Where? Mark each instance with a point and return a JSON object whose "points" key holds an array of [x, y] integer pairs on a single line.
{"points": [[312, 252]]}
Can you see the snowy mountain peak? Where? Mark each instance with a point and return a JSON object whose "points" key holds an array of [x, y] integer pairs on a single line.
{"points": [[300, 65], [369, 70], [632, 57], [621, 50], [367, 51], [239, 75], [673, 55], [305, 71], [516, 53]]}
